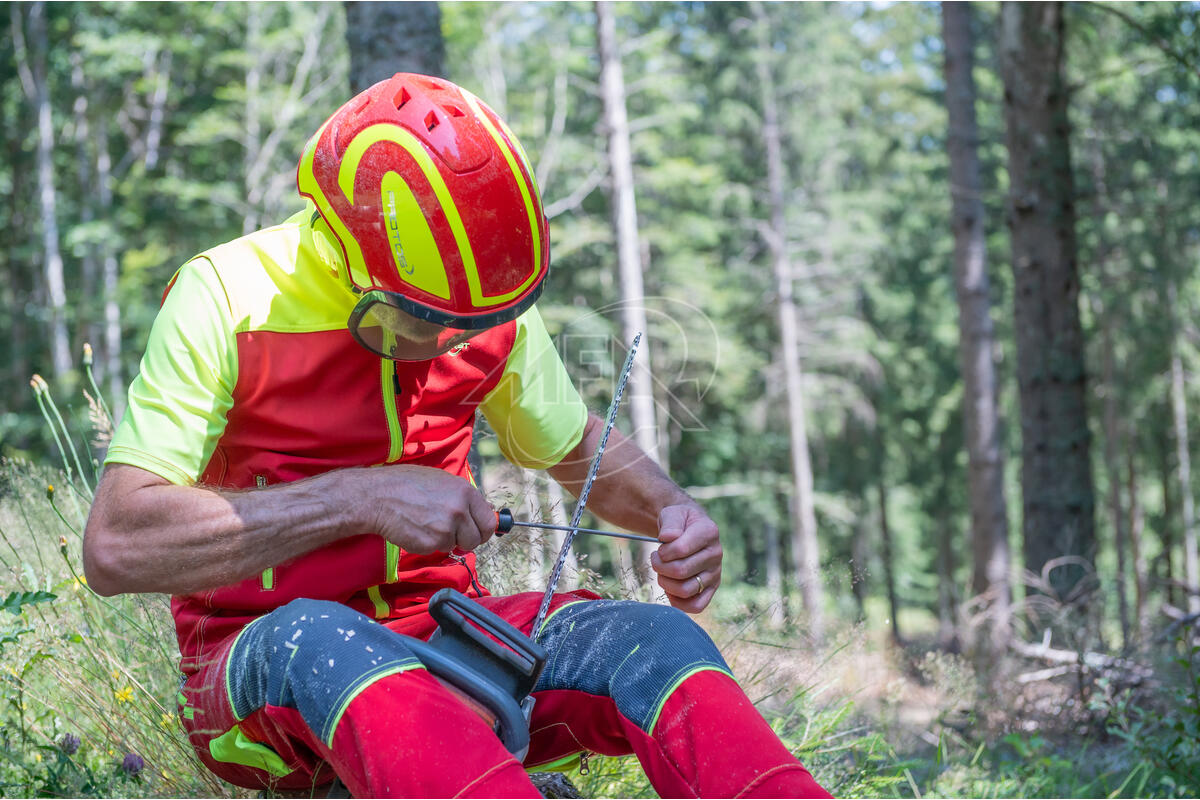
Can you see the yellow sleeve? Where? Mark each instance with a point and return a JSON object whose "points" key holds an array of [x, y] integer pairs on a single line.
{"points": [[537, 414], [178, 401]]}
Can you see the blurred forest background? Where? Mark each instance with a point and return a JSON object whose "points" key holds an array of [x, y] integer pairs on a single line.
{"points": [[920, 287]]}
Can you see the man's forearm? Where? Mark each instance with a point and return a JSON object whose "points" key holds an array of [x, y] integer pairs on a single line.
{"points": [[146, 535], [630, 488]]}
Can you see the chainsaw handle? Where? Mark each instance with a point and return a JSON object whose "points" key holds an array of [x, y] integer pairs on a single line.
{"points": [[455, 612], [511, 725]]}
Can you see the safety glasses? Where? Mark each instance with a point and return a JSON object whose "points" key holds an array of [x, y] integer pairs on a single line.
{"points": [[379, 324]]}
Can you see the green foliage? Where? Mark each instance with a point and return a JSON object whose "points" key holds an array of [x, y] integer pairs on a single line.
{"points": [[1166, 738], [15, 601]]}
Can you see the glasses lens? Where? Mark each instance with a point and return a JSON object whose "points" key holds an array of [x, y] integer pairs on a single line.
{"points": [[389, 332]]}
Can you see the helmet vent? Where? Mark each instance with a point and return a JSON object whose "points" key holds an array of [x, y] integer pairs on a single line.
{"points": [[453, 111], [402, 98], [431, 121]]}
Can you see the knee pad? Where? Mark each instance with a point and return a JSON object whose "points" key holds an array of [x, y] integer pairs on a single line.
{"points": [[635, 653], [312, 655]]}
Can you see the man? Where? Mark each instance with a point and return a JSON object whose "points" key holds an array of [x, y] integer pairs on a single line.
{"points": [[299, 485]]}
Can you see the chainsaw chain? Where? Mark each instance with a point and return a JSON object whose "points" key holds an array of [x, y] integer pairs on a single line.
{"points": [[593, 469]]}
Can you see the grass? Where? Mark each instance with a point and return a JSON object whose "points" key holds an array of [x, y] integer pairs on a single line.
{"points": [[89, 683], [88, 686]]}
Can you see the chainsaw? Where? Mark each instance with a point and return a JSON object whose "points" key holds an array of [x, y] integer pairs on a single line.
{"points": [[485, 660]]}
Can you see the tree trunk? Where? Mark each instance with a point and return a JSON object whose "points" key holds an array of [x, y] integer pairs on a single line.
{"points": [[158, 108], [389, 37], [1056, 481], [889, 571], [252, 127], [985, 462], [31, 62], [110, 275], [1166, 533], [947, 594], [804, 519], [777, 607], [859, 550], [1112, 466], [18, 270], [83, 170], [1183, 458], [640, 390], [1137, 550]]}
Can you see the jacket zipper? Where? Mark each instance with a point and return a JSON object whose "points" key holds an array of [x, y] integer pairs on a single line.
{"points": [[389, 382]]}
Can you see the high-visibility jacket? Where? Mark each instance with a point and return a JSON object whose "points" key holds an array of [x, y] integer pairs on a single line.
{"points": [[250, 379]]}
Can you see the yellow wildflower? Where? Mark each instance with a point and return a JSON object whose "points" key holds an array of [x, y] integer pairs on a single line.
{"points": [[125, 695], [37, 756], [166, 720], [116, 674]]}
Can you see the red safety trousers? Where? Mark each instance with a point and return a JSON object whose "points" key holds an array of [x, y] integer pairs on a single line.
{"points": [[405, 735]]}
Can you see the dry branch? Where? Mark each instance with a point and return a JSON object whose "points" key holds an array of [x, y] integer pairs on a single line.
{"points": [[1122, 669]]}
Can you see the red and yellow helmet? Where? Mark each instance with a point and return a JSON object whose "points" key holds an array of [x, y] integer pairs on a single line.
{"points": [[434, 204]]}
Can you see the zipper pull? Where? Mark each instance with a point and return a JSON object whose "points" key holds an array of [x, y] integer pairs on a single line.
{"points": [[584, 769]]}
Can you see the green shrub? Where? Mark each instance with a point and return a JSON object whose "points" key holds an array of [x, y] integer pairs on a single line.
{"points": [[1166, 736]]}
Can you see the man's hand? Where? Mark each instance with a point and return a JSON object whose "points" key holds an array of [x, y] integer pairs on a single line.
{"points": [[425, 510], [688, 561]]}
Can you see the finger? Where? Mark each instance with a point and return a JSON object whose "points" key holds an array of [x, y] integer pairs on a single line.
{"points": [[694, 604], [672, 522], [691, 586], [467, 535], [683, 568], [482, 514], [699, 534]]}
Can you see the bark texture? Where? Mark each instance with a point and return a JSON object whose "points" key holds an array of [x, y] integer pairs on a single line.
{"points": [[1058, 498], [985, 461], [389, 37]]}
